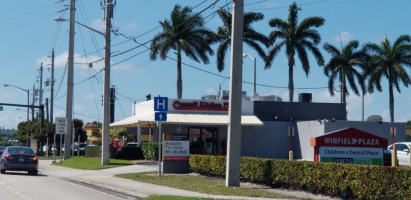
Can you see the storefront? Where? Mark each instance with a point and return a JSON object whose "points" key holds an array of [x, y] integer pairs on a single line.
{"points": [[204, 122]]}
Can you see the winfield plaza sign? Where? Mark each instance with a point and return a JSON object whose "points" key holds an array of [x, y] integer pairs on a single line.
{"points": [[351, 146]]}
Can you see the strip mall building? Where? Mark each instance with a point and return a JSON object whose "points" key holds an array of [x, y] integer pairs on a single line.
{"points": [[265, 125]]}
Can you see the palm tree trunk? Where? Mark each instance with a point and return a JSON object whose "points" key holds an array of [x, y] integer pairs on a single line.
{"points": [[343, 95], [179, 79], [290, 76], [391, 93]]}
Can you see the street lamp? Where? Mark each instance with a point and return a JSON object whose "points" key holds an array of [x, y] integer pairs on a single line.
{"points": [[106, 88], [28, 104], [255, 76]]}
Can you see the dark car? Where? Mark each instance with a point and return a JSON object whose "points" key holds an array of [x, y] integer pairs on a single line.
{"points": [[82, 149], [18, 158], [2, 148]]}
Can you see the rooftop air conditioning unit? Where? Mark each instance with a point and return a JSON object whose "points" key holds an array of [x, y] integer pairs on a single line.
{"points": [[305, 97]]}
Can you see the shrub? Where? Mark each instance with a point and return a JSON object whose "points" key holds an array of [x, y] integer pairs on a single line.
{"points": [[346, 181], [150, 150], [92, 151], [115, 148], [131, 153]]}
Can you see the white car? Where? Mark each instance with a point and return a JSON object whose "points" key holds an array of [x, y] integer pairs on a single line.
{"points": [[403, 152]]}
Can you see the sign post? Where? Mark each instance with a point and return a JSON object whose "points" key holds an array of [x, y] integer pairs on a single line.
{"points": [[161, 108], [393, 131], [291, 134], [61, 129]]}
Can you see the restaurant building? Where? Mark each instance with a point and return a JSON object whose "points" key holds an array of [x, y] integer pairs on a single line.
{"points": [[265, 121]]}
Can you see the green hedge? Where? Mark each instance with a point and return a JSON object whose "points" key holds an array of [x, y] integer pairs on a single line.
{"points": [[150, 150], [347, 181], [92, 151]]}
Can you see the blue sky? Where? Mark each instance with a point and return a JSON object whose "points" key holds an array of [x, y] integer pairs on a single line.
{"points": [[28, 33]]}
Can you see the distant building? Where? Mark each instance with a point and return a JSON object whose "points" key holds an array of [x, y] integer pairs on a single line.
{"points": [[89, 128]]}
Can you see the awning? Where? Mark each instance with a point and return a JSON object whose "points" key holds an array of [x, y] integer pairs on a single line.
{"points": [[208, 119]]}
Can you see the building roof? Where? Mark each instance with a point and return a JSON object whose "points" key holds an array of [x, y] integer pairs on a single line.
{"points": [[189, 118], [90, 126]]}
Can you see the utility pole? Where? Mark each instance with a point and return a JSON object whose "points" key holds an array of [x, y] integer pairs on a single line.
{"points": [[70, 72], [47, 110], [108, 13], [52, 86], [32, 103], [234, 112], [112, 103], [41, 85]]}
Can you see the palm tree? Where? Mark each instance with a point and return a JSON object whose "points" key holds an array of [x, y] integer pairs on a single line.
{"points": [[250, 36], [184, 32], [389, 61], [296, 38], [342, 66]]}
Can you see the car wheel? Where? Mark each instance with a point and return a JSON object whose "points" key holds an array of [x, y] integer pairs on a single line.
{"points": [[2, 171]]}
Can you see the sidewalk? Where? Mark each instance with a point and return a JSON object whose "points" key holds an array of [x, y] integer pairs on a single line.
{"points": [[105, 179]]}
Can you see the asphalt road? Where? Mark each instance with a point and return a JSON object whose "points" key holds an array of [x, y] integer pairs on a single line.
{"points": [[20, 186]]}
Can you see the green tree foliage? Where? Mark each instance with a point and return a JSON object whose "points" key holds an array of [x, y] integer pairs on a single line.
{"points": [[296, 38], [343, 66], [251, 37], [95, 133], [25, 129], [184, 32], [408, 125], [389, 61]]}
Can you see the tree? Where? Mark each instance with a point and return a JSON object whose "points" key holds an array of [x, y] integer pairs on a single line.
{"points": [[343, 66], [389, 61], [251, 37], [95, 133], [408, 125], [79, 132], [184, 32], [296, 38]]}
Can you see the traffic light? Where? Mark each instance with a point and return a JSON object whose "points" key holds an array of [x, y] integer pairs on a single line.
{"points": [[47, 134], [148, 97]]}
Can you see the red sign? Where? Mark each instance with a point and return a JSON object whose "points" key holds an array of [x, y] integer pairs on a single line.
{"points": [[200, 105], [350, 137]]}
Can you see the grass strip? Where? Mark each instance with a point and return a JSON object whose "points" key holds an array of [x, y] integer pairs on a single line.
{"points": [[200, 184], [91, 163]]}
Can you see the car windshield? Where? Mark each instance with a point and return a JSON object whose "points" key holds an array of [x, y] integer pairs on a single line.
{"points": [[19, 150]]}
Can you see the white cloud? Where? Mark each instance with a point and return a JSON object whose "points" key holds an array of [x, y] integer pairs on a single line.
{"points": [[344, 37], [98, 24], [78, 107], [210, 91], [89, 96], [80, 61], [131, 26]]}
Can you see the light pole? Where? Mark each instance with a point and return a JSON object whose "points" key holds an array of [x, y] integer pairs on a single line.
{"points": [[28, 104], [106, 87], [255, 73]]}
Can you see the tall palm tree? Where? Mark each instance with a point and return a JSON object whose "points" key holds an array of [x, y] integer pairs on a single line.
{"points": [[183, 32], [250, 36], [296, 38], [389, 61], [343, 66]]}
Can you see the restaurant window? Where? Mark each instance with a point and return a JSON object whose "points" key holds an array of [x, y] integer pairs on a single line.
{"points": [[204, 141]]}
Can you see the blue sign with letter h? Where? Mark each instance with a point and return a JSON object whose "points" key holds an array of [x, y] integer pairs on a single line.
{"points": [[161, 104]]}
